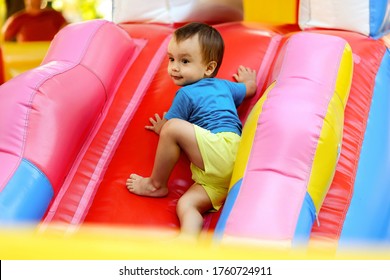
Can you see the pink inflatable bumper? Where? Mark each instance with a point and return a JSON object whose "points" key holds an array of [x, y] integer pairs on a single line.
{"points": [[48, 114]]}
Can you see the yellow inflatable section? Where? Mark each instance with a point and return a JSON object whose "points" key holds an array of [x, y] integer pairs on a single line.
{"points": [[276, 11], [102, 243], [325, 160]]}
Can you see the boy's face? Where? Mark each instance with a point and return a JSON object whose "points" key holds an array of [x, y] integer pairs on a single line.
{"points": [[186, 64]]}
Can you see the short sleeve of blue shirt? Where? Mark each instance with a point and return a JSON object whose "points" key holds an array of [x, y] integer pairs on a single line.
{"points": [[238, 91], [181, 107]]}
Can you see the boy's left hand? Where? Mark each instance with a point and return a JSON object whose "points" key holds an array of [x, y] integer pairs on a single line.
{"points": [[247, 76]]}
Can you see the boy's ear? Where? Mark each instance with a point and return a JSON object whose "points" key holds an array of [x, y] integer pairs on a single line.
{"points": [[210, 68]]}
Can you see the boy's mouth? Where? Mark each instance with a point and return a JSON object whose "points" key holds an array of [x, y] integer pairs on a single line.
{"points": [[176, 77]]}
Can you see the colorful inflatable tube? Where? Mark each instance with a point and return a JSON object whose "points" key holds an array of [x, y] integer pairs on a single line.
{"points": [[291, 145], [40, 139]]}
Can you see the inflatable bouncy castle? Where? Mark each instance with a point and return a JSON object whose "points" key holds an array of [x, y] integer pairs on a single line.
{"points": [[312, 166]]}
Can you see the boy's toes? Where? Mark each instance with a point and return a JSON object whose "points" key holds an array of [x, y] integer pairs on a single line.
{"points": [[134, 177]]}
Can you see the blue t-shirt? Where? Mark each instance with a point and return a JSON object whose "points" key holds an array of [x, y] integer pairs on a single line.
{"points": [[209, 103]]}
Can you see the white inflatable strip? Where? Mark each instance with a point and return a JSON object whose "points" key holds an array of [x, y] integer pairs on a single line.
{"points": [[171, 11], [133, 11], [351, 15]]}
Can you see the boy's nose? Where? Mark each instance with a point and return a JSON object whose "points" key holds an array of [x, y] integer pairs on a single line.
{"points": [[175, 67]]}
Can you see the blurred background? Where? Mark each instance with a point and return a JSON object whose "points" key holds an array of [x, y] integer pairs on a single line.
{"points": [[73, 10], [18, 57]]}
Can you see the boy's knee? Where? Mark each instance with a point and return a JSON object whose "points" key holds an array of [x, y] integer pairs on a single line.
{"points": [[182, 205], [170, 127], [179, 205]]}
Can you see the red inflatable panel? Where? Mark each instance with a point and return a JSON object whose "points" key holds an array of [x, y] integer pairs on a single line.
{"points": [[80, 187]]}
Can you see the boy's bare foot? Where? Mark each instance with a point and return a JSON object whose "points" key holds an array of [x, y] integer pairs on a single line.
{"points": [[143, 186]]}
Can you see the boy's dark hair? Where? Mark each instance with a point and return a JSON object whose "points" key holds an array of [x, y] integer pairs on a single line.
{"points": [[210, 40]]}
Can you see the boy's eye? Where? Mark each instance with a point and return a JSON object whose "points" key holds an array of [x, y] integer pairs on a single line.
{"points": [[185, 61], [171, 59]]}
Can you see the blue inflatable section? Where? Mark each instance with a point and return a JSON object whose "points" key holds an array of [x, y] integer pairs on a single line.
{"points": [[379, 18], [368, 217], [26, 197], [305, 223], [227, 208]]}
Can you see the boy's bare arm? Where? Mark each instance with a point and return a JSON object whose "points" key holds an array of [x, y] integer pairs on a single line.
{"points": [[248, 77], [156, 123]]}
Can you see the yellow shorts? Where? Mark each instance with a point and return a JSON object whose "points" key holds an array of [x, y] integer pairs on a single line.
{"points": [[219, 154]]}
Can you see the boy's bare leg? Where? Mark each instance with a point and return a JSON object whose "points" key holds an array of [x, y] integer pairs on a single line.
{"points": [[190, 209], [176, 135]]}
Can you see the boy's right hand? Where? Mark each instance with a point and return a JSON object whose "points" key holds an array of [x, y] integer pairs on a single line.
{"points": [[157, 123]]}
